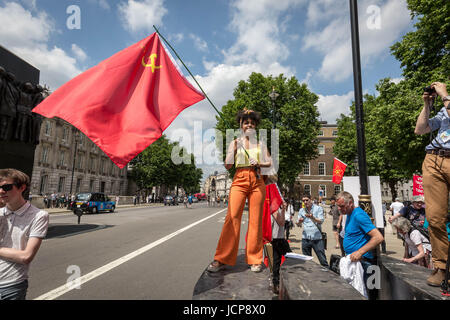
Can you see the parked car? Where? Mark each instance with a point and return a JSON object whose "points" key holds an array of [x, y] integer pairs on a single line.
{"points": [[194, 199], [170, 201], [93, 202]]}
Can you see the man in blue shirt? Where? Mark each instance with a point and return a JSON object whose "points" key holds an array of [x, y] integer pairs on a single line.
{"points": [[436, 176], [311, 217], [361, 236]]}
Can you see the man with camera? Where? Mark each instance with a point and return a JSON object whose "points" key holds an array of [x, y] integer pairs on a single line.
{"points": [[436, 175], [311, 218]]}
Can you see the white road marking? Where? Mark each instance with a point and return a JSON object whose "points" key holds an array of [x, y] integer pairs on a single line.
{"points": [[51, 295]]}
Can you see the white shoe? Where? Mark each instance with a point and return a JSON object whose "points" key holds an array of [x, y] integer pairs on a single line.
{"points": [[256, 268]]}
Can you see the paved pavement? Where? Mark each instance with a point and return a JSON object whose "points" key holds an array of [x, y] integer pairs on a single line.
{"points": [[394, 245]]}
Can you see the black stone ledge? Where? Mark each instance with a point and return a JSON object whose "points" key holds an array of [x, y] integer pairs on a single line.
{"points": [[236, 282], [307, 280], [406, 281]]}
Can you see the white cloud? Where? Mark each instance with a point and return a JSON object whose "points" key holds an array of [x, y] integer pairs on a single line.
{"points": [[331, 106], [258, 24], [142, 15], [177, 37], [27, 36], [101, 3], [78, 52], [333, 40], [199, 43]]}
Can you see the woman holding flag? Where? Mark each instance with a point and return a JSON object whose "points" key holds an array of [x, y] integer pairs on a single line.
{"points": [[248, 156]]}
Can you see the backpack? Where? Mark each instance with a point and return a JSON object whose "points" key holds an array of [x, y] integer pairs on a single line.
{"points": [[422, 230]]}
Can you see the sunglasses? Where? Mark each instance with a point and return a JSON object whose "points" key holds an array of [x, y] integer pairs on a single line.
{"points": [[7, 187]]}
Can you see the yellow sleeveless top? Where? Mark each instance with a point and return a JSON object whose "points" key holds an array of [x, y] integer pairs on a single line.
{"points": [[241, 159]]}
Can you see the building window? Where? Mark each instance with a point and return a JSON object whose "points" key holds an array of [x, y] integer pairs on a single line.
{"points": [[65, 134], [335, 133], [79, 162], [321, 149], [81, 139], [102, 166], [48, 128], [61, 184], [321, 133], [78, 187], [62, 158], [306, 168], [43, 184], [91, 186], [321, 168], [102, 186], [307, 189], [337, 189], [323, 188], [44, 157], [112, 187]]}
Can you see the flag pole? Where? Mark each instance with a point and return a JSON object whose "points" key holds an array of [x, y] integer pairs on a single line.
{"points": [[203, 91]]}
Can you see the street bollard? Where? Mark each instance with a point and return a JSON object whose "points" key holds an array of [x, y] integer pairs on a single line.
{"points": [[79, 213]]}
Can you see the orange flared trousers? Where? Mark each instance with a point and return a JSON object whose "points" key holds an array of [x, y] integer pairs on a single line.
{"points": [[245, 185]]}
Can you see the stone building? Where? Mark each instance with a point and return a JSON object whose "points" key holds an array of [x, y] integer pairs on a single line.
{"points": [[54, 159], [318, 173], [217, 184]]}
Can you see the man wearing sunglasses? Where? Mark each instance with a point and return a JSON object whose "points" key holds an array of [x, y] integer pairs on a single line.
{"points": [[22, 228]]}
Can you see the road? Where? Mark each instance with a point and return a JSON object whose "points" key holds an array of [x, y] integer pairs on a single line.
{"points": [[139, 253], [143, 253]]}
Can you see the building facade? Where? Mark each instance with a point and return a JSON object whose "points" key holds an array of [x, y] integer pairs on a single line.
{"points": [[217, 185], [62, 147], [317, 175]]}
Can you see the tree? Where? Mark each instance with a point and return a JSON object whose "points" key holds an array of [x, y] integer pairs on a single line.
{"points": [[424, 53], [296, 119], [392, 148], [393, 151], [154, 167]]}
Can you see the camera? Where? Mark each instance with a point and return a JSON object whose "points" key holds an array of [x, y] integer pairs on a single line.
{"points": [[429, 90]]}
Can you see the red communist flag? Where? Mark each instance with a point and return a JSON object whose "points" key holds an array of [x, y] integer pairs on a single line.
{"points": [[272, 204], [125, 102], [338, 170]]}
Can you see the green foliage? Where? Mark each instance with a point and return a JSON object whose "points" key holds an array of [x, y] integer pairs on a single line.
{"points": [[154, 167], [296, 119], [424, 53], [393, 151]]}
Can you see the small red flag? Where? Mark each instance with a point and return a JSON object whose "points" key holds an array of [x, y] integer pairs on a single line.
{"points": [[338, 170], [125, 103]]}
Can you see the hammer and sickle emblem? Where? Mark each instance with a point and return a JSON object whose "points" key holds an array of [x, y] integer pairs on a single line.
{"points": [[152, 57]]}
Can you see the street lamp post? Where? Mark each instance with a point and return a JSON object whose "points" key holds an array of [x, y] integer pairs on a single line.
{"points": [[364, 198], [74, 158], [273, 96]]}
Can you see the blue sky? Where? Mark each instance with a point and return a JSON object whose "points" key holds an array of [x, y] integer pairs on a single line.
{"points": [[221, 41]]}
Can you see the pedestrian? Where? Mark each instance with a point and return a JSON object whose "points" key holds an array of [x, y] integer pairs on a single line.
{"points": [[53, 198], [311, 218], [134, 200], [22, 229], [361, 236], [417, 246], [248, 156], [279, 244], [415, 212], [396, 206], [334, 212], [185, 201], [288, 219], [117, 200]]}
